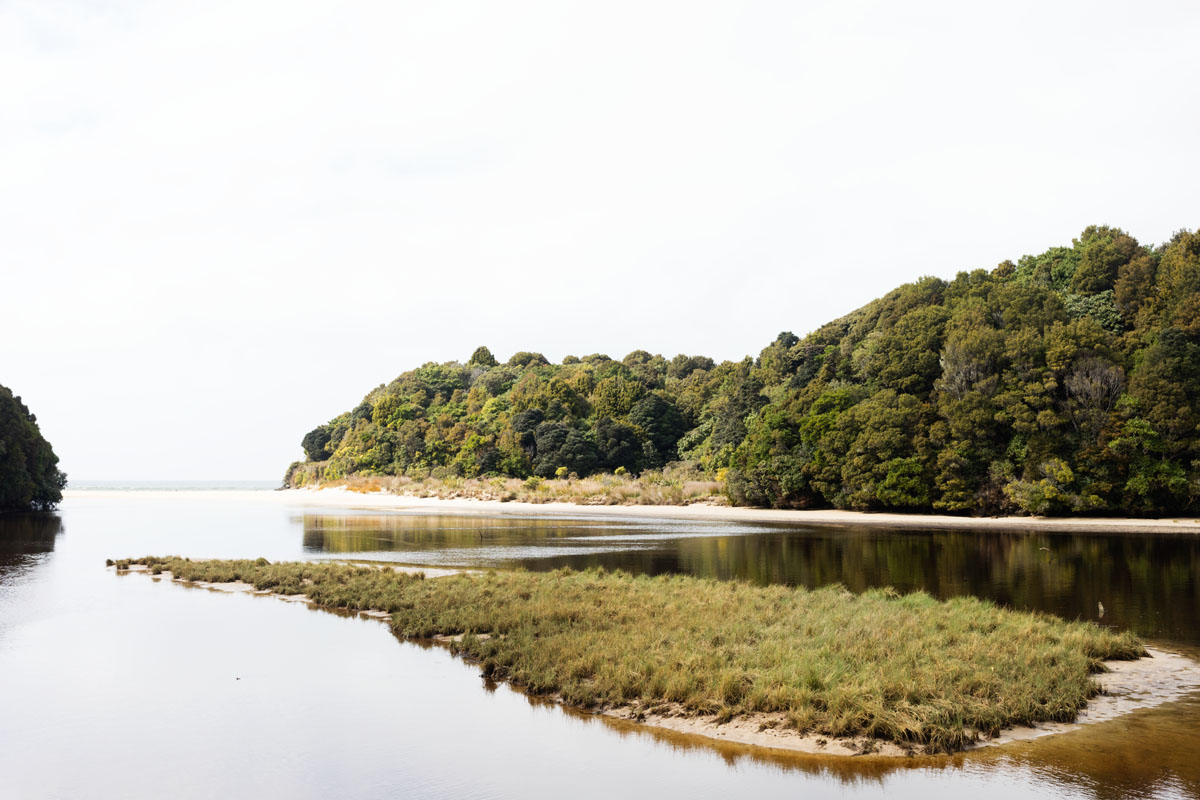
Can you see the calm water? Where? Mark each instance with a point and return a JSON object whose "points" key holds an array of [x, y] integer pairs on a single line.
{"points": [[130, 687]]}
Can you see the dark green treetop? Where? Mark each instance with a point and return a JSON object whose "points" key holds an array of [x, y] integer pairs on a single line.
{"points": [[30, 479]]}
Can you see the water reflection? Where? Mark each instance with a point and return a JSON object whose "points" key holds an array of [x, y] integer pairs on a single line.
{"points": [[28, 533], [223, 695], [403, 532], [1146, 754], [1149, 584], [23, 537], [1149, 753]]}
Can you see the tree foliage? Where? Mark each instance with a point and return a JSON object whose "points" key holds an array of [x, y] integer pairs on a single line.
{"points": [[1067, 382], [30, 479]]}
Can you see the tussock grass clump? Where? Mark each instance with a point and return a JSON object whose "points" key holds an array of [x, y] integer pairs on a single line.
{"points": [[905, 668]]}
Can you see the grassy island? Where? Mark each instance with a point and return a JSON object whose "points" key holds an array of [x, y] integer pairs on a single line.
{"points": [[926, 674]]}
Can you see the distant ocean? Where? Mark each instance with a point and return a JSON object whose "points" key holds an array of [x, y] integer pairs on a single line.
{"points": [[173, 486]]}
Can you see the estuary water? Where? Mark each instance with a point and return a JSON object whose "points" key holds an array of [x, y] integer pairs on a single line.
{"points": [[127, 686]]}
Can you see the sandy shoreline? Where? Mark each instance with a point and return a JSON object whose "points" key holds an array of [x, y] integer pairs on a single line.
{"points": [[342, 498], [1128, 686]]}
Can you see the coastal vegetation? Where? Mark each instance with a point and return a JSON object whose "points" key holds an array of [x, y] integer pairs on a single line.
{"points": [[30, 479], [676, 484], [1063, 383], [926, 674]]}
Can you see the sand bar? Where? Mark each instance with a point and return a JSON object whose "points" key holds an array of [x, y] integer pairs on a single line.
{"points": [[342, 498]]}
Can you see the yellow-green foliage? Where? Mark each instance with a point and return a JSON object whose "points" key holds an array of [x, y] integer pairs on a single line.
{"points": [[1066, 383], [905, 668], [676, 484]]}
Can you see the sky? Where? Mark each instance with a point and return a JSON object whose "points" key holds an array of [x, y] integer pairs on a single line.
{"points": [[222, 222]]}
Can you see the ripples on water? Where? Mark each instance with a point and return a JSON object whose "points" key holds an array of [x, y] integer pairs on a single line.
{"points": [[131, 687]]}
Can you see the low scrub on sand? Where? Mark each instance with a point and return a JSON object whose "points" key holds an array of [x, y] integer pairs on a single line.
{"points": [[927, 674], [677, 484]]}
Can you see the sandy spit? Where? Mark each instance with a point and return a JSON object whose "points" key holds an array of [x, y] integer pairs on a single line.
{"points": [[342, 498], [1161, 677]]}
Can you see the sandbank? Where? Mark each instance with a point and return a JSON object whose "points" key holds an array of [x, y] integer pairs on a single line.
{"points": [[343, 498]]}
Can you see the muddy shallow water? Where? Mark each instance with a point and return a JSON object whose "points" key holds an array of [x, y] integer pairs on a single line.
{"points": [[130, 687]]}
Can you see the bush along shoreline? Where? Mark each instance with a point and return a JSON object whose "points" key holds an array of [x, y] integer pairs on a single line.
{"points": [[927, 675], [1065, 383], [674, 485], [30, 479]]}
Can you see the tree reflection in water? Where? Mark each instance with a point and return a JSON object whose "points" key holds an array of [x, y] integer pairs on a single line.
{"points": [[25, 536], [1147, 583]]}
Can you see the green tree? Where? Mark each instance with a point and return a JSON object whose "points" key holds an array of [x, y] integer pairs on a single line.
{"points": [[661, 425], [1062, 382], [615, 396], [314, 443], [482, 357], [617, 445], [30, 479], [1102, 253], [525, 359]]}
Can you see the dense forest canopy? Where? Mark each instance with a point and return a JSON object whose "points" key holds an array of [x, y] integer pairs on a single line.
{"points": [[30, 479], [1067, 382]]}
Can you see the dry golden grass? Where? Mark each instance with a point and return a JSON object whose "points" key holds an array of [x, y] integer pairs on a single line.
{"points": [[674, 485], [904, 668]]}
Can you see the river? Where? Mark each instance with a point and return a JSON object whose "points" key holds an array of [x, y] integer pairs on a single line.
{"points": [[126, 686]]}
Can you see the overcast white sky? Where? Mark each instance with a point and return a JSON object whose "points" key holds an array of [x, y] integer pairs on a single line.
{"points": [[223, 221]]}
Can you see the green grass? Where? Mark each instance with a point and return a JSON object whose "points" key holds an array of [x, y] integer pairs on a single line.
{"points": [[905, 668]]}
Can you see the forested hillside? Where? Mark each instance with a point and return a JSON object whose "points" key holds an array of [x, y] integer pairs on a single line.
{"points": [[1067, 382], [30, 479]]}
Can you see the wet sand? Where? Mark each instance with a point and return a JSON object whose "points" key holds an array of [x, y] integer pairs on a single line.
{"points": [[1128, 686]]}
